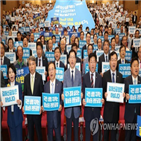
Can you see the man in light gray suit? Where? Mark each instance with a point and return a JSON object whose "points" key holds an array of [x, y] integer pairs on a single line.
{"points": [[2, 84], [72, 78]]}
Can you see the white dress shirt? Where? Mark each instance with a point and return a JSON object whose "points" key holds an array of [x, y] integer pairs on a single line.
{"points": [[52, 90]]}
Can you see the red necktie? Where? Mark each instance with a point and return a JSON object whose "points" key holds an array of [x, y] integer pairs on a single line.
{"points": [[1, 62]]}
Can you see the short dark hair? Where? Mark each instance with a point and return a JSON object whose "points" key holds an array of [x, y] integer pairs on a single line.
{"points": [[92, 55], [53, 36], [88, 33], [19, 33], [81, 32], [24, 38], [134, 59], [105, 32], [13, 68], [10, 39], [121, 48], [71, 52], [106, 41], [39, 44], [50, 64], [90, 45], [18, 47], [56, 49], [74, 44], [99, 39], [111, 54], [112, 39], [3, 45]]}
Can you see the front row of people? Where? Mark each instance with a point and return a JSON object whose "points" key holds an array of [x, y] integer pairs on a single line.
{"points": [[33, 86]]}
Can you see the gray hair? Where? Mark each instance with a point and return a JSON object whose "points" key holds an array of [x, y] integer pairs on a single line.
{"points": [[32, 58]]}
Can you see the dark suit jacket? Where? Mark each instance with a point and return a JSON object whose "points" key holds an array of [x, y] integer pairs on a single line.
{"points": [[61, 65], [44, 62], [16, 118], [6, 61], [54, 116], [101, 59], [119, 62], [111, 109], [130, 108], [84, 47], [134, 21], [38, 87], [87, 84], [2, 84]]}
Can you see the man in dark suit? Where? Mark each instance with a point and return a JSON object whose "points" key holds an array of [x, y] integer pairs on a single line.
{"points": [[10, 45], [50, 46], [134, 18], [104, 57], [57, 55], [122, 60], [54, 117], [135, 49], [41, 61], [72, 78], [2, 84], [33, 86], [91, 80], [111, 109], [131, 110], [88, 39], [75, 48]]}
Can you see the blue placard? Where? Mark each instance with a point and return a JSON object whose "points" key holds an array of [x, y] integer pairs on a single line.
{"points": [[55, 20], [11, 56], [47, 35], [87, 67], [121, 35], [3, 68], [18, 43], [124, 69], [63, 58], [85, 54], [41, 25], [51, 102], [93, 97], [27, 29], [101, 37], [105, 66], [79, 54], [135, 93], [110, 37], [77, 34], [136, 42], [128, 55], [20, 74], [21, 30], [50, 56], [3, 40], [36, 36], [138, 132], [118, 31], [6, 33], [95, 47], [72, 97], [57, 38], [140, 72], [26, 53], [82, 43], [55, 45], [32, 105], [60, 74]]}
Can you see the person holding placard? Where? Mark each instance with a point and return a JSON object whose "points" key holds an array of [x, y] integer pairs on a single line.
{"points": [[104, 57], [89, 51], [111, 109], [63, 47], [2, 84], [72, 78], [19, 36], [122, 60], [88, 39], [54, 117], [57, 55], [139, 57], [117, 40], [135, 48], [25, 44], [41, 60], [91, 80], [15, 117], [131, 110], [33, 86]]}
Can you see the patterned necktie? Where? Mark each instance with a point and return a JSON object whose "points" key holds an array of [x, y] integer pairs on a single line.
{"points": [[1, 62], [32, 84], [92, 80], [72, 78], [106, 59], [122, 61], [113, 80]]}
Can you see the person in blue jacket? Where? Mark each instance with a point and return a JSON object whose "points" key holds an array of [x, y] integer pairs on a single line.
{"points": [[15, 117]]}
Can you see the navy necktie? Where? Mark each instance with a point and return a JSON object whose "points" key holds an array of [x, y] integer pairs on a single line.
{"points": [[113, 79]]}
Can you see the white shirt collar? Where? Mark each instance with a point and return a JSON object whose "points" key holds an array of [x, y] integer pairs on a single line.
{"points": [[12, 83], [52, 82], [135, 79], [57, 62], [113, 72], [10, 50], [40, 58], [32, 75]]}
